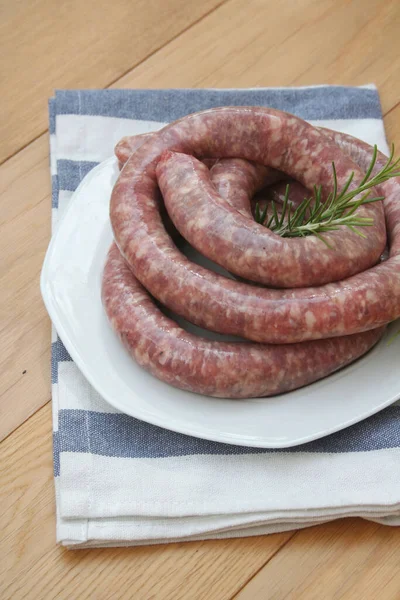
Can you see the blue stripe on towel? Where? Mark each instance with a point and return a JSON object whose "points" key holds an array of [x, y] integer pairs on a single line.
{"points": [[52, 115], [58, 353], [121, 436], [56, 454], [54, 191], [70, 173], [325, 102]]}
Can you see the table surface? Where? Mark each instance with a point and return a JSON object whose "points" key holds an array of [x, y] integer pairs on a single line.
{"points": [[154, 43]]}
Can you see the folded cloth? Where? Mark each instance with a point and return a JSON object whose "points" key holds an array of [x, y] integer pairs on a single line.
{"points": [[120, 481]]}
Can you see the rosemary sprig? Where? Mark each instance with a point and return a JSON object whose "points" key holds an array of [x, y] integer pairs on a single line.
{"points": [[393, 337], [315, 217]]}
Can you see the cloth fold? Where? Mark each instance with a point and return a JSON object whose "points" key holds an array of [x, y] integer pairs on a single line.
{"points": [[120, 481]]}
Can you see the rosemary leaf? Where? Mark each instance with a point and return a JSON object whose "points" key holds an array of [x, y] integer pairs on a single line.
{"points": [[275, 213], [371, 166], [313, 216], [263, 214], [285, 205]]}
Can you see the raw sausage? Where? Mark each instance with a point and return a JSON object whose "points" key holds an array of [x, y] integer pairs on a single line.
{"points": [[220, 369], [235, 179], [128, 145], [359, 303], [257, 134], [229, 237], [239, 370]]}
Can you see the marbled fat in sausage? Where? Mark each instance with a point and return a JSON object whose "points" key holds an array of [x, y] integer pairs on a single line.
{"points": [[359, 303], [353, 311], [220, 369]]}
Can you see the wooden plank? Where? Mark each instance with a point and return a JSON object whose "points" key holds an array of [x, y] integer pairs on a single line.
{"points": [[47, 45], [342, 560], [25, 329], [392, 127], [32, 566], [297, 43]]}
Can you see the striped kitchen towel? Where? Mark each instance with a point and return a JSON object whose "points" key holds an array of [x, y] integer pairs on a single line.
{"points": [[120, 481]]}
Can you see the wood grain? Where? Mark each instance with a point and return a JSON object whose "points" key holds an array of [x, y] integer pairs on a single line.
{"points": [[25, 206], [32, 566], [342, 560], [301, 43], [392, 126], [47, 44]]}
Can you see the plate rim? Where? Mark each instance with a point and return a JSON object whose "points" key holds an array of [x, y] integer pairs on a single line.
{"points": [[149, 417]]}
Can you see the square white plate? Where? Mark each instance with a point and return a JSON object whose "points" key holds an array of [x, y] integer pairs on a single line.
{"points": [[70, 284]]}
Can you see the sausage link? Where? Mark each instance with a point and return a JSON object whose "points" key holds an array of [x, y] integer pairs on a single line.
{"points": [[227, 236], [128, 145], [356, 304], [235, 179], [361, 153], [276, 193], [238, 243], [220, 369]]}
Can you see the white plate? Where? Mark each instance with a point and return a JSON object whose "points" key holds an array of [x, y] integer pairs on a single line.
{"points": [[70, 284]]}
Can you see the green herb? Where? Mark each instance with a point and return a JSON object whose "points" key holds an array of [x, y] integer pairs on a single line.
{"points": [[393, 337], [315, 217]]}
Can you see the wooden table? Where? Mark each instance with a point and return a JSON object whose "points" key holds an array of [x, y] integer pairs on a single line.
{"points": [[47, 44]]}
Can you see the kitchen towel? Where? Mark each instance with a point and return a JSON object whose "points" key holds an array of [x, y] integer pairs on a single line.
{"points": [[120, 481]]}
